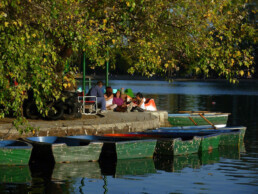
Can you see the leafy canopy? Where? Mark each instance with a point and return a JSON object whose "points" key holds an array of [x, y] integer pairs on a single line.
{"points": [[37, 38]]}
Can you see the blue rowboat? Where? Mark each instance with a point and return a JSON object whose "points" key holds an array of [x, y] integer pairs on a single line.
{"points": [[63, 149], [14, 152], [122, 148]]}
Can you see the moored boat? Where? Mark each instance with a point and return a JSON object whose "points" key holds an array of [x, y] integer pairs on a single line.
{"points": [[122, 148], [179, 142], [227, 131], [199, 118], [229, 136], [14, 152], [63, 149]]}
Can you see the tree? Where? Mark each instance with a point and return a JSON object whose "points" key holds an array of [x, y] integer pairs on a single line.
{"points": [[38, 37]]}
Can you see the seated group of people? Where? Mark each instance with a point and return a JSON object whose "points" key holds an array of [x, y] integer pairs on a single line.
{"points": [[122, 102], [119, 101]]}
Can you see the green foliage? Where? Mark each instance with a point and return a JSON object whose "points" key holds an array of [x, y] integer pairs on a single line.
{"points": [[37, 38]]}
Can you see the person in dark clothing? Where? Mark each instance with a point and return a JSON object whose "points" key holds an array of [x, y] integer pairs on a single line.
{"points": [[97, 91]]}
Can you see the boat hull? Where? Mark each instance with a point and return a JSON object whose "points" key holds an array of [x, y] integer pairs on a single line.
{"points": [[13, 152], [209, 142], [177, 146], [90, 152], [122, 148], [63, 149], [229, 135]]}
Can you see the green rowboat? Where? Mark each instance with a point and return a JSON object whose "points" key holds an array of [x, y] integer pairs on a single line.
{"points": [[191, 119], [230, 136]]}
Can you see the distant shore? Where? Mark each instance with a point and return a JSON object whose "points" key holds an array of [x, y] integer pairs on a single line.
{"points": [[154, 78]]}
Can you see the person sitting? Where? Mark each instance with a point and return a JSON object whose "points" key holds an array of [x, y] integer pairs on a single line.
{"points": [[109, 98], [121, 103], [97, 91], [140, 103]]}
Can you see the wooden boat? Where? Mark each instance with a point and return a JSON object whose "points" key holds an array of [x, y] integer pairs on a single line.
{"points": [[224, 130], [198, 118], [178, 142], [14, 152], [63, 149], [174, 143], [122, 148]]}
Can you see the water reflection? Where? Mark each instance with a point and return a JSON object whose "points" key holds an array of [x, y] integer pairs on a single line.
{"points": [[77, 169], [15, 174], [177, 163], [119, 168], [75, 176]]}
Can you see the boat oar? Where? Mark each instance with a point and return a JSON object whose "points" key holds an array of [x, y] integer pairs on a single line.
{"points": [[201, 115], [193, 121]]}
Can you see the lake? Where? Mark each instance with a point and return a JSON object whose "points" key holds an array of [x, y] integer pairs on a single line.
{"points": [[227, 170]]}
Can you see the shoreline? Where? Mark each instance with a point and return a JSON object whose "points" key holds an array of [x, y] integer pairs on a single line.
{"points": [[137, 77], [110, 122]]}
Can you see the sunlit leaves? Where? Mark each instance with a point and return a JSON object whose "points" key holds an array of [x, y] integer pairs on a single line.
{"points": [[38, 37]]}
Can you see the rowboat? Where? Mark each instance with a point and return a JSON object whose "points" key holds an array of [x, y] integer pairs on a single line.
{"points": [[14, 152], [178, 142], [63, 149], [122, 148], [210, 128], [198, 118], [228, 136]]}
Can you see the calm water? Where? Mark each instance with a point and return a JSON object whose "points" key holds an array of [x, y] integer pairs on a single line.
{"points": [[228, 170]]}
